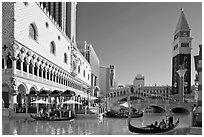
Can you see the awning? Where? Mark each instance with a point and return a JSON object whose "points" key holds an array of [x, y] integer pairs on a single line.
{"points": [[71, 102], [40, 102], [93, 98]]}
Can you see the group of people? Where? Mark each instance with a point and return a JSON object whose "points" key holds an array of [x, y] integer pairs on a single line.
{"points": [[163, 124], [53, 113]]}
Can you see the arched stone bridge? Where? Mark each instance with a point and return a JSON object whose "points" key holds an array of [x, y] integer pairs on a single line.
{"points": [[143, 102]]}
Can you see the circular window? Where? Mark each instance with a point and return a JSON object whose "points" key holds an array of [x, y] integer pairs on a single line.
{"points": [[47, 25]]}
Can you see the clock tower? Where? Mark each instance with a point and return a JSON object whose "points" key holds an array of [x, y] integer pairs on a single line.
{"points": [[181, 54]]}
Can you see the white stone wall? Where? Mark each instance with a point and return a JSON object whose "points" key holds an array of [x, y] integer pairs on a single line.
{"points": [[84, 66], [32, 13], [24, 16]]}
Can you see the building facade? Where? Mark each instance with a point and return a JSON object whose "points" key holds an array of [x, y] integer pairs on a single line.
{"points": [[37, 54], [139, 81], [198, 80], [89, 53], [107, 78], [181, 54]]}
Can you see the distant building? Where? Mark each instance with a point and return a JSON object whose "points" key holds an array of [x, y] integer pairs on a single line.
{"points": [[139, 81], [198, 80], [89, 53], [107, 78], [181, 47]]}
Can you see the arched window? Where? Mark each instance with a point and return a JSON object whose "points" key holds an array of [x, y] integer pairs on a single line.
{"points": [[40, 72], [51, 76], [9, 61], [48, 75], [33, 33], [65, 57], [24, 66], [44, 73], [84, 73], [30, 68], [35, 70], [52, 47]]}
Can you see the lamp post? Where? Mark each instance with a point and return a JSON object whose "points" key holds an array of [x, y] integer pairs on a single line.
{"points": [[181, 73]]}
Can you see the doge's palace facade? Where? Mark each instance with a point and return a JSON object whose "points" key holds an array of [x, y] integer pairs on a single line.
{"points": [[37, 54]]}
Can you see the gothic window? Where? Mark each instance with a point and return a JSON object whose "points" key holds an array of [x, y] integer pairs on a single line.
{"points": [[48, 75], [40, 72], [35, 70], [54, 77], [33, 33], [65, 57], [30, 68], [52, 47], [44, 73], [9, 61], [24, 66], [25, 3]]}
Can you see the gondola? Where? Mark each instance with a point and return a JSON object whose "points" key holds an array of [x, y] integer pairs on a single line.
{"points": [[51, 119], [116, 115], [148, 130]]}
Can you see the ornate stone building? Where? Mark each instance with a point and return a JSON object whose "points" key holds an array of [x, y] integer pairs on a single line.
{"points": [[39, 55]]}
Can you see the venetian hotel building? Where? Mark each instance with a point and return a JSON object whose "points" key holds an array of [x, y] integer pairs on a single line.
{"points": [[39, 52]]}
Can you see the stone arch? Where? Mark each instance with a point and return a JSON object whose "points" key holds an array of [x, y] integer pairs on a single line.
{"points": [[5, 95], [9, 60], [180, 110], [157, 109], [22, 90]]}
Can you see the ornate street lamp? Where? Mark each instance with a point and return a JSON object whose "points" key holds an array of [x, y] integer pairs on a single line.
{"points": [[181, 73]]}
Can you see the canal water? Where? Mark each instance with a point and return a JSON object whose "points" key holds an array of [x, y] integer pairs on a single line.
{"points": [[105, 126]]}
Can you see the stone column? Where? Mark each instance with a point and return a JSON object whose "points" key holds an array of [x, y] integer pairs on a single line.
{"points": [[27, 63], [26, 102], [21, 67], [14, 66], [181, 73]]}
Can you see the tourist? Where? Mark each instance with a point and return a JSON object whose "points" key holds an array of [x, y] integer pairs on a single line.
{"points": [[155, 123], [171, 119], [162, 124], [41, 112]]}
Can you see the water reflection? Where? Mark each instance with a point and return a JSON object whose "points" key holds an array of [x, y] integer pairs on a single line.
{"points": [[104, 126]]}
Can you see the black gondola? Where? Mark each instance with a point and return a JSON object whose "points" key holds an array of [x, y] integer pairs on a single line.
{"points": [[118, 115], [148, 129], [51, 119]]}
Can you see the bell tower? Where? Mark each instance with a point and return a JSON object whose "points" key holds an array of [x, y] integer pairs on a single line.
{"points": [[181, 54]]}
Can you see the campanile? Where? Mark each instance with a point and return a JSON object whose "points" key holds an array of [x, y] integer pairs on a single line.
{"points": [[181, 54]]}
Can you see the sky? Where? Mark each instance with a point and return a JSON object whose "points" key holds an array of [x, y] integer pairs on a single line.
{"points": [[136, 37]]}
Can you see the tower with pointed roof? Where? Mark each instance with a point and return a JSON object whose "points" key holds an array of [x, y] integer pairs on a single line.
{"points": [[181, 54]]}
